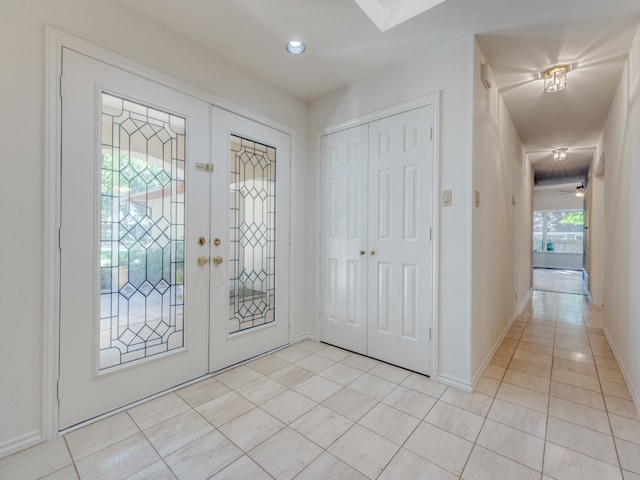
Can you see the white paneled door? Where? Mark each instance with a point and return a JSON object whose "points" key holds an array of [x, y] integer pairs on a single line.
{"points": [[377, 258], [173, 239]]}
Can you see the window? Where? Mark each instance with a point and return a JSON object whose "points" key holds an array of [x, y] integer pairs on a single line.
{"points": [[558, 231]]}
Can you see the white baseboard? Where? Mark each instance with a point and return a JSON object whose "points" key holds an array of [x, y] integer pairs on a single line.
{"points": [[23, 442], [304, 336], [625, 373], [496, 345], [454, 382]]}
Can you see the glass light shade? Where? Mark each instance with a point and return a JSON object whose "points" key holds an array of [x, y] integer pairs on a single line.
{"points": [[555, 79], [559, 154], [295, 47]]}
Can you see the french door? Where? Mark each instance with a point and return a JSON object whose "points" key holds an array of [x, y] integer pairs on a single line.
{"points": [[156, 237], [376, 260]]}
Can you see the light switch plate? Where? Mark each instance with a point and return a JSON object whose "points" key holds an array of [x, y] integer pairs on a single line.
{"points": [[446, 198]]}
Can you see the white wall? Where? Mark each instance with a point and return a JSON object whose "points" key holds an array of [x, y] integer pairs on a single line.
{"points": [[596, 234], [22, 83], [621, 142], [501, 231], [551, 199], [447, 70]]}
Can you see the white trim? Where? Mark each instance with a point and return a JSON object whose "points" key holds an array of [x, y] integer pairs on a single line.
{"points": [[305, 336], [625, 373], [20, 443], [496, 345], [432, 99], [455, 383], [55, 40]]}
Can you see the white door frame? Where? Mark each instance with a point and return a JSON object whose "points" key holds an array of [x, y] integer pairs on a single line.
{"points": [[432, 99], [55, 40]]}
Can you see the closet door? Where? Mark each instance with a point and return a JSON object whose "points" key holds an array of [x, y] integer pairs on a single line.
{"points": [[344, 247], [399, 221]]}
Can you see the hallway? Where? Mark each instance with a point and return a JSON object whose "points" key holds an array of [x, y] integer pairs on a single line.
{"points": [[552, 405], [559, 281]]}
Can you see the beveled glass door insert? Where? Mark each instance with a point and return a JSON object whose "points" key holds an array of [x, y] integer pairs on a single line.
{"points": [[142, 232], [251, 234]]}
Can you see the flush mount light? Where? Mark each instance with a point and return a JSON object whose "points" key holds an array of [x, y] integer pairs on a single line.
{"points": [[559, 154], [580, 190], [295, 47], [555, 78]]}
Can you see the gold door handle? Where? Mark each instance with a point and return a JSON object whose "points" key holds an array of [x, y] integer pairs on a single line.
{"points": [[203, 261], [372, 253], [362, 252], [217, 260]]}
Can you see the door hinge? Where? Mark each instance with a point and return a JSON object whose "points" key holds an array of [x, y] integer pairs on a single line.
{"points": [[430, 233], [429, 333], [59, 395], [59, 238], [209, 167], [430, 133], [61, 86]]}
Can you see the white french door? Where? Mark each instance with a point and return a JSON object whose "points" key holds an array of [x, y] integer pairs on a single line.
{"points": [[148, 254], [377, 271]]}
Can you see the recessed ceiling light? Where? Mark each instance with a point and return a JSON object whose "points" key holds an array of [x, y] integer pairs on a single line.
{"points": [[295, 47]]}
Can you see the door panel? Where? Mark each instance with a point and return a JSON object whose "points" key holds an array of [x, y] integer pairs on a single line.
{"points": [[133, 302], [344, 268], [399, 222], [250, 217]]}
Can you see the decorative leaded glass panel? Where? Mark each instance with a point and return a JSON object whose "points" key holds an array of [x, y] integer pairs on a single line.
{"points": [[142, 232], [252, 234]]}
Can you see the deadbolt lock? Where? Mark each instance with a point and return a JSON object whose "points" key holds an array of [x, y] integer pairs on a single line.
{"points": [[202, 241], [216, 242]]}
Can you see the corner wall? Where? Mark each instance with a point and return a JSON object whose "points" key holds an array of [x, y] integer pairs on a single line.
{"points": [[501, 224], [446, 70], [124, 32], [621, 142]]}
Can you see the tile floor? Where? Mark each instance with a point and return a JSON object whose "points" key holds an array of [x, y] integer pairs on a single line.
{"points": [[551, 405], [557, 280]]}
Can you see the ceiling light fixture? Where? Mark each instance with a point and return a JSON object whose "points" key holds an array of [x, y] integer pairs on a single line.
{"points": [[295, 47], [580, 190], [559, 154], [555, 78]]}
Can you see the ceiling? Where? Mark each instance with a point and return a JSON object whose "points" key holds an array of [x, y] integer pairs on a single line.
{"points": [[519, 38]]}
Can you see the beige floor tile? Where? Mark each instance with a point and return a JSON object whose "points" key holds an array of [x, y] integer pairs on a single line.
{"points": [[155, 471], [535, 348], [341, 374], [495, 372], [606, 363], [455, 420], [488, 386], [294, 353], [440, 447], [202, 392], [611, 375], [317, 388], [537, 340], [288, 406], [364, 450], [392, 424], [268, 364], [203, 458], [349, 403], [512, 335], [244, 468], [535, 358], [582, 440], [409, 401], [238, 376], [360, 362], [505, 351], [622, 407], [69, 473], [518, 417], [372, 386], [627, 475], [513, 444], [500, 360], [582, 381], [37, 461], [389, 372], [615, 389], [291, 375], [562, 463], [119, 460], [99, 435], [575, 367], [322, 425], [602, 351], [486, 465], [311, 345], [523, 397], [225, 408], [251, 428], [579, 414], [523, 366], [328, 467], [260, 390], [532, 382], [577, 395], [629, 454], [285, 454], [625, 428], [158, 410], [177, 432], [407, 465], [477, 403], [574, 356], [334, 353], [424, 385], [315, 363]]}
